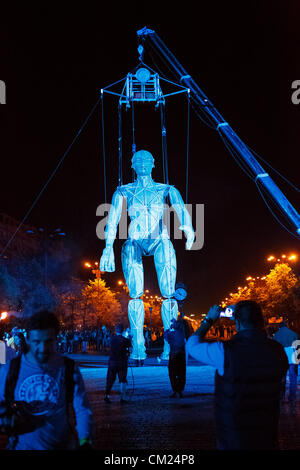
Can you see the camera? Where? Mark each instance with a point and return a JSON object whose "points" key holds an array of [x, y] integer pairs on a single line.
{"points": [[8, 420], [227, 312], [13, 421]]}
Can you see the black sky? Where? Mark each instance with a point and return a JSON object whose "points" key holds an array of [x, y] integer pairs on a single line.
{"points": [[244, 56]]}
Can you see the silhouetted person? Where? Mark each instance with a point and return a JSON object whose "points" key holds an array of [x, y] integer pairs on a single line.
{"points": [[249, 372], [118, 363], [176, 337], [287, 338], [20, 344]]}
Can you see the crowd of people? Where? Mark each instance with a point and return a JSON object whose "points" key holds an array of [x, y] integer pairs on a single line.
{"points": [[83, 340], [78, 340], [250, 384]]}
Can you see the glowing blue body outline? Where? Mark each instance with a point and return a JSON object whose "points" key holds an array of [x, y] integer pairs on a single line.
{"points": [[147, 236]]}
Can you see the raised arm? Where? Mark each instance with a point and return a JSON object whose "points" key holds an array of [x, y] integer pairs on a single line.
{"points": [[183, 216]]}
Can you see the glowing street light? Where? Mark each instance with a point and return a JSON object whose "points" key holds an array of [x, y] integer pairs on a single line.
{"points": [[283, 258], [3, 315], [95, 269]]}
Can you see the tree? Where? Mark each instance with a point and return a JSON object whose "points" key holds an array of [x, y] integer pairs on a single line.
{"points": [[70, 302], [100, 305], [277, 295], [278, 292], [295, 301]]}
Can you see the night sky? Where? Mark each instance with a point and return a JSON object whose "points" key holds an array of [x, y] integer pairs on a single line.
{"points": [[243, 55]]}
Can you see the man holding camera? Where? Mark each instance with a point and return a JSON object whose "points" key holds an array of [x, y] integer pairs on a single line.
{"points": [[249, 372], [36, 390]]}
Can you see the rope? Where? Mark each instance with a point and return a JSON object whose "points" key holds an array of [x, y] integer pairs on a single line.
{"points": [[120, 146], [49, 179], [276, 171], [163, 156], [133, 138], [273, 214], [187, 148], [235, 156], [260, 189], [207, 121], [103, 148], [231, 150], [164, 143]]}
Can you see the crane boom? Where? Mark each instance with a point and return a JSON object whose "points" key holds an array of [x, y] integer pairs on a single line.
{"points": [[202, 103]]}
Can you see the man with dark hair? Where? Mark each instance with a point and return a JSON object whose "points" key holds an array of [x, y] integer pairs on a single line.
{"points": [[43, 320], [249, 372], [36, 389], [118, 363]]}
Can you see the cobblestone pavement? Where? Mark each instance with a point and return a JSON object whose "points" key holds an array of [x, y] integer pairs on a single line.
{"points": [[154, 421]]}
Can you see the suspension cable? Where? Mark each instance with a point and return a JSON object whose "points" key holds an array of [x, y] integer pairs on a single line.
{"points": [[103, 149], [260, 189], [120, 145], [133, 138], [274, 169], [187, 147], [164, 142], [50, 178]]}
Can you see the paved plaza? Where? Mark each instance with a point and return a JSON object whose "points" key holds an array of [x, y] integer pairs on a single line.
{"points": [[152, 420]]}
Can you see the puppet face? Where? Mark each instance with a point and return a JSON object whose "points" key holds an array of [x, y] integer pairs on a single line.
{"points": [[142, 163]]}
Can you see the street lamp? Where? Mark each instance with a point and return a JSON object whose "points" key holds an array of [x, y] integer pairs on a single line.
{"points": [[96, 269], [283, 258], [3, 315]]}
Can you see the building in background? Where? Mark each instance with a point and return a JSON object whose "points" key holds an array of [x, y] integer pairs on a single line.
{"points": [[28, 241]]}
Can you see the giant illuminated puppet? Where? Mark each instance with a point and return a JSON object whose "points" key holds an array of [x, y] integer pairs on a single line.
{"points": [[147, 236]]}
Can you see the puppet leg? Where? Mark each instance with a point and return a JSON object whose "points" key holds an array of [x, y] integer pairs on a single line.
{"points": [[165, 264], [134, 276]]}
